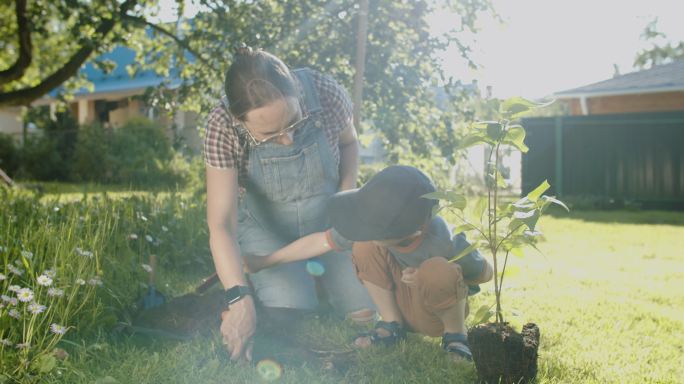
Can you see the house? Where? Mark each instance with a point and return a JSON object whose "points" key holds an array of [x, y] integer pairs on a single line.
{"points": [[622, 140], [114, 98]]}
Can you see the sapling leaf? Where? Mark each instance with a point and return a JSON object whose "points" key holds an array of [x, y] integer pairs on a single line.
{"points": [[537, 192], [464, 227], [451, 198], [515, 136], [472, 139], [494, 131], [482, 315], [464, 252], [516, 106], [511, 271], [480, 207], [553, 200]]}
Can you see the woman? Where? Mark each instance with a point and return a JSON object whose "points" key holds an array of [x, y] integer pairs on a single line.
{"points": [[276, 148]]}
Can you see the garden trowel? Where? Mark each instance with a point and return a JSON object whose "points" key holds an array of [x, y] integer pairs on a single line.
{"points": [[153, 298]]}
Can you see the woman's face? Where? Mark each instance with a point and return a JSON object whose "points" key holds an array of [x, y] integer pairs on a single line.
{"points": [[273, 121]]}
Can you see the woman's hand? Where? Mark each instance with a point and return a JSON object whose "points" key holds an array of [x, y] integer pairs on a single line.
{"points": [[238, 327]]}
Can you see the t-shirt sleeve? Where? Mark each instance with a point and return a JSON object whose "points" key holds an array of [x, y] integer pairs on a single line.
{"points": [[220, 142], [336, 99], [337, 241], [473, 263]]}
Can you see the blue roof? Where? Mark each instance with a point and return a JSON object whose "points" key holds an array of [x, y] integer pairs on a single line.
{"points": [[119, 80]]}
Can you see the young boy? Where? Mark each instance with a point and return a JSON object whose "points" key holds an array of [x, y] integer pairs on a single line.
{"points": [[400, 254]]}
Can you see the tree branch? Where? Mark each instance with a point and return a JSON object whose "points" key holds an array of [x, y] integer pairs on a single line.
{"points": [[26, 95], [17, 69], [181, 43]]}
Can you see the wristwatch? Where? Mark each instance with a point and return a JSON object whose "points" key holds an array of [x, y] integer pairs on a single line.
{"points": [[235, 293]]}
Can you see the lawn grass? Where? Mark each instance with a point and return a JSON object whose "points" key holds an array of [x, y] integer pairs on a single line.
{"points": [[607, 291]]}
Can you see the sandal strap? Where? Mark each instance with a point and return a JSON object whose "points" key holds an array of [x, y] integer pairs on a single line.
{"points": [[462, 348], [396, 333]]}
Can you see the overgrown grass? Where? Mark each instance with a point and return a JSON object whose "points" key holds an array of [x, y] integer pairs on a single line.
{"points": [[607, 292]]}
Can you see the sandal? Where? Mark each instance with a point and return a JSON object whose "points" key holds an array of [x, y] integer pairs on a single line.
{"points": [[395, 330], [457, 343]]}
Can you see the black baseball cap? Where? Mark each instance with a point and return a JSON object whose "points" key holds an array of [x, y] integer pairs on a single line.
{"points": [[389, 206]]}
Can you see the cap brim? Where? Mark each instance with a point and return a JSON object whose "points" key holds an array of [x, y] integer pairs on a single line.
{"points": [[347, 219]]}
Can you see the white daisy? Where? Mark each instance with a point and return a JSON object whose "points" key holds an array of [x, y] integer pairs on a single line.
{"points": [[6, 342], [15, 270], [57, 329], [13, 301], [44, 280], [2, 277], [84, 253], [95, 281], [50, 273], [13, 288], [80, 281], [27, 254], [149, 238], [164, 228], [147, 268], [55, 292], [36, 308], [25, 295], [5, 298], [14, 313], [23, 346], [132, 236]]}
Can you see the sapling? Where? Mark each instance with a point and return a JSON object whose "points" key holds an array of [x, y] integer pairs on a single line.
{"points": [[499, 228]]}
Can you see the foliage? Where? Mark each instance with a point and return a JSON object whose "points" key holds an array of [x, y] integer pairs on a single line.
{"points": [[93, 251], [498, 227], [9, 154], [662, 50]]}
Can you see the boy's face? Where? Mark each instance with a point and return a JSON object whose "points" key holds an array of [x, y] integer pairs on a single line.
{"points": [[395, 242]]}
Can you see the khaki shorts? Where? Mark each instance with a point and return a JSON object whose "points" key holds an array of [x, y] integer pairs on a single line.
{"points": [[440, 286]]}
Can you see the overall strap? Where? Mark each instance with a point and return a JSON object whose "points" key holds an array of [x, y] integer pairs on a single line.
{"points": [[311, 100]]}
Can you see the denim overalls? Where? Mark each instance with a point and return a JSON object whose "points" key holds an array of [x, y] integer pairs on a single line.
{"points": [[287, 188]]}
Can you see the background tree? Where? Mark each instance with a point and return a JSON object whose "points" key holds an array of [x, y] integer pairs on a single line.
{"points": [[661, 50]]}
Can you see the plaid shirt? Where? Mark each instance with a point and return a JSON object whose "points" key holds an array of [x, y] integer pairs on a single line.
{"points": [[227, 146]]}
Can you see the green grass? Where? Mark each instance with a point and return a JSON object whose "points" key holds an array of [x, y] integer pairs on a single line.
{"points": [[607, 292]]}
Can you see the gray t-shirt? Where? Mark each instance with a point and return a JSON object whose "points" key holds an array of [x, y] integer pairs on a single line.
{"points": [[437, 242]]}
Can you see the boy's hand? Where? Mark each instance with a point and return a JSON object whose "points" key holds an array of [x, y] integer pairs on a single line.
{"points": [[409, 276]]}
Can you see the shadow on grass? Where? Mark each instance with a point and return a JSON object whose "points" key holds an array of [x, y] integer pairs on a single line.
{"points": [[621, 216]]}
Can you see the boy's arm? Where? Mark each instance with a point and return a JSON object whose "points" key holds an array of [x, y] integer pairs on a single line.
{"points": [[304, 248]]}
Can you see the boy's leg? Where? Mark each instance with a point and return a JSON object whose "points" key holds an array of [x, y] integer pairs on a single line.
{"points": [[443, 293]]}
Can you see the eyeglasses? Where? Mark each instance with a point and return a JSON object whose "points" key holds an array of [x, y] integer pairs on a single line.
{"points": [[290, 128]]}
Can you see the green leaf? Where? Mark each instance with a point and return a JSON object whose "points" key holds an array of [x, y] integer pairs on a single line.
{"points": [[537, 192], [494, 131], [464, 252], [515, 106], [463, 228], [516, 137], [454, 199], [553, 200], [480, 207], [45, 363], [472, 140], [482, 315]]}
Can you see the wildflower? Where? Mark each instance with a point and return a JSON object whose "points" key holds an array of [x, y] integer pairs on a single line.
{"points": [[56, 209], [2, 277], [23, 345], [57, 329], [147, 268], [27, 254], [95, 281], [84, 253], [14, 313], [5, 298], [25, 295], [13, 301], [15, 270], [164, 228], [36, 308], [44, 280], [80, 281], [50, 273], [6, 342], [13, 288], [132, 236], [55, 292], [149, 238]]}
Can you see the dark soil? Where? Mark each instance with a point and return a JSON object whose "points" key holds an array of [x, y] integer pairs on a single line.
{"points": [[502, 355]]}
